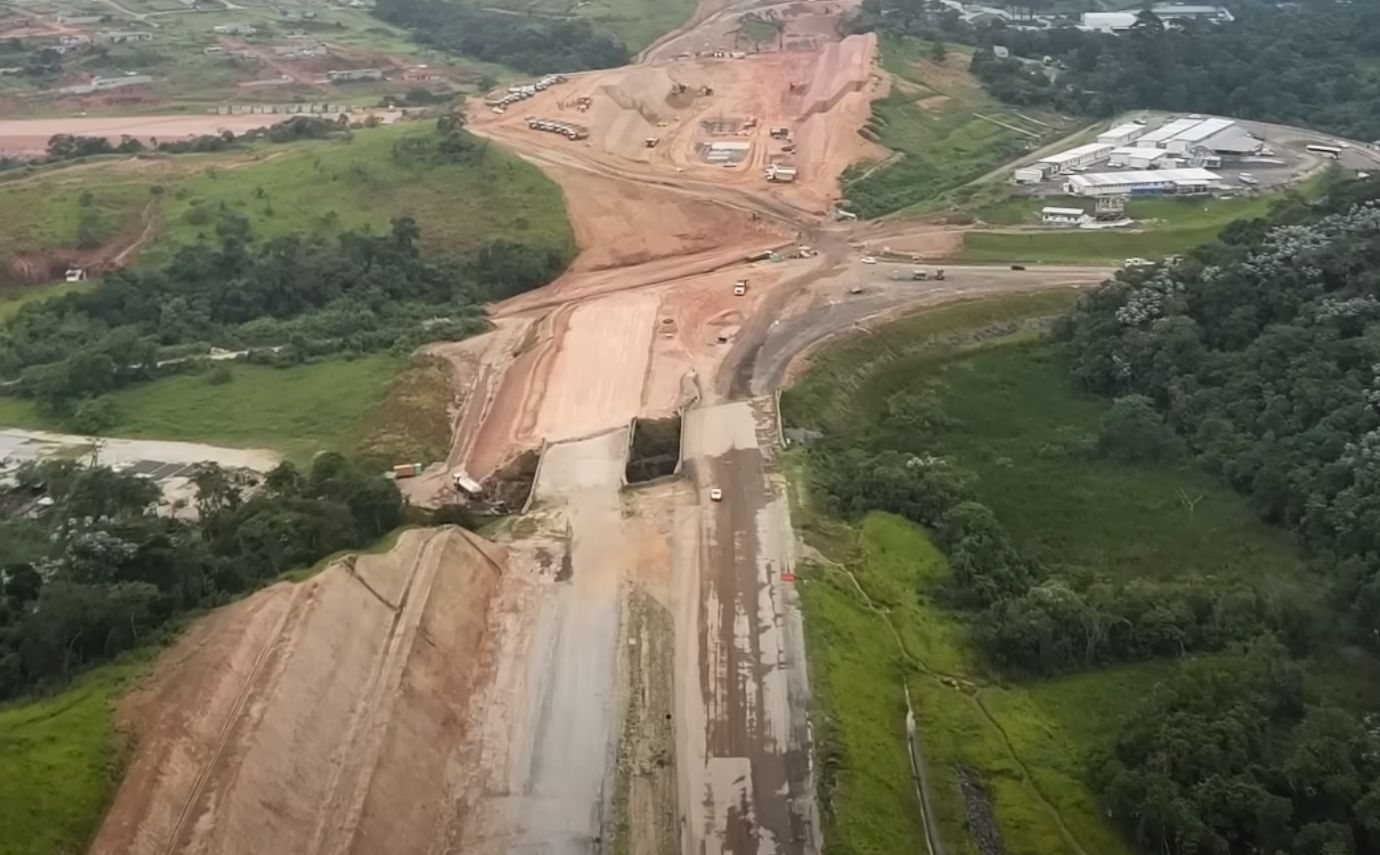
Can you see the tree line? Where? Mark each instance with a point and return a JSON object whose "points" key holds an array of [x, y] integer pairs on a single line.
{"points": [[538, 45], [1311, 64], [98, 572], [288, 299], [1257, 358], [73, 146]]}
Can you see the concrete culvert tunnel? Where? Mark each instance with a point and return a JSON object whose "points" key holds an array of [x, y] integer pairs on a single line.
{"points": [[654, 451]]}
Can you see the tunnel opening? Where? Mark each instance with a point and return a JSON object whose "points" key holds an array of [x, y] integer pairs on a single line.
{"points": [[654, 449]]}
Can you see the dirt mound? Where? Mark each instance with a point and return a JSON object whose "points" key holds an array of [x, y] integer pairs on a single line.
{"points": [[317, 717]]}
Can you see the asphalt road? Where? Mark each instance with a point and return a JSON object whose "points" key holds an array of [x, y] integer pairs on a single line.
{"points": [[746, 779], [834, 309]]}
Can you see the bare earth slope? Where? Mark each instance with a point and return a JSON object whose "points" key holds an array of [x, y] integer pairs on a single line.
{"points": [[314, 717]]}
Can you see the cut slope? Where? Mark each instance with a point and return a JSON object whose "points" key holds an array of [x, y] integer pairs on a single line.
{"points": [[315, 717]]}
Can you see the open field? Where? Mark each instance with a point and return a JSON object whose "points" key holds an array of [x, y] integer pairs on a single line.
{"points": [[933, 120], [296, 411], [323, 186], [59, 761], [257, 67]]}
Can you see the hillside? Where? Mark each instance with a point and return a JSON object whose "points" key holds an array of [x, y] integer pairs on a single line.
{"points": [[1167, 504], [146, 207]]}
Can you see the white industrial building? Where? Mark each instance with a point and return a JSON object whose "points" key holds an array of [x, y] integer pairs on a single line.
{"points": [[1140, 158], [1166, 132], [1205, 129], [1120, 22], [1157, 182], [1122, 134], [1030, 174], [1083, 155], [1062, 216]]}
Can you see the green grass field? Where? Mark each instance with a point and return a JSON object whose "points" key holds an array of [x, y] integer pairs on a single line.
{"points": [[59, 761], [836, 393], [933, 120], [296, 411], [1025, 432], [321, 186], [1027, 744]]}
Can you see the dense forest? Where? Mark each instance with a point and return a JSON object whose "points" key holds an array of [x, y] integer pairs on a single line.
{"points": [[538, 45], [97, 573], [1315, 64], [1256, 358]]}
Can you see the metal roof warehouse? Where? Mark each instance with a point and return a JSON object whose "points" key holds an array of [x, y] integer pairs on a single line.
{"points": [[1118, 183]]}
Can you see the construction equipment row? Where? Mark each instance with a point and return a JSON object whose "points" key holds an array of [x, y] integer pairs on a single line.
{"points": [[523, 91], [565, 129]]}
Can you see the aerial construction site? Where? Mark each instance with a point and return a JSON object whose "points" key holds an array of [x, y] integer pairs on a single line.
{"points": [[616, 662]]}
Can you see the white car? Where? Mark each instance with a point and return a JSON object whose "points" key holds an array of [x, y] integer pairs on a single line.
{"points": [[867, 259], [715, 494]]}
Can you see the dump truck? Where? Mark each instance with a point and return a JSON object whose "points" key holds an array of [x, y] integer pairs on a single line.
{"points": [[651, 142], [740, 288]]}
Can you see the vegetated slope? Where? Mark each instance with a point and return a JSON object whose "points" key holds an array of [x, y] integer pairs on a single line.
{"points": [[1310, 64], [637, 23], [536, 44], [1076, 539], [88, 212], [933, 118], [332, 699], [1259, 353], [57, 756]]}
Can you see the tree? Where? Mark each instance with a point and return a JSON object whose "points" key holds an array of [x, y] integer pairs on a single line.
{"points": [[938, 52], [1133, 431]]}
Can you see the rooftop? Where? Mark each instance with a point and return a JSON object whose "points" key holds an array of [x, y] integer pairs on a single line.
{"points": [[1145, 176], [1169, 130], [1091, 149]]}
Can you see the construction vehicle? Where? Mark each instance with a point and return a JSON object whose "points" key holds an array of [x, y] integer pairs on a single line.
{"points": [[920, 274], [939, 275], [780, 133], [651, 142], [407, 470], [740, 288]]}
